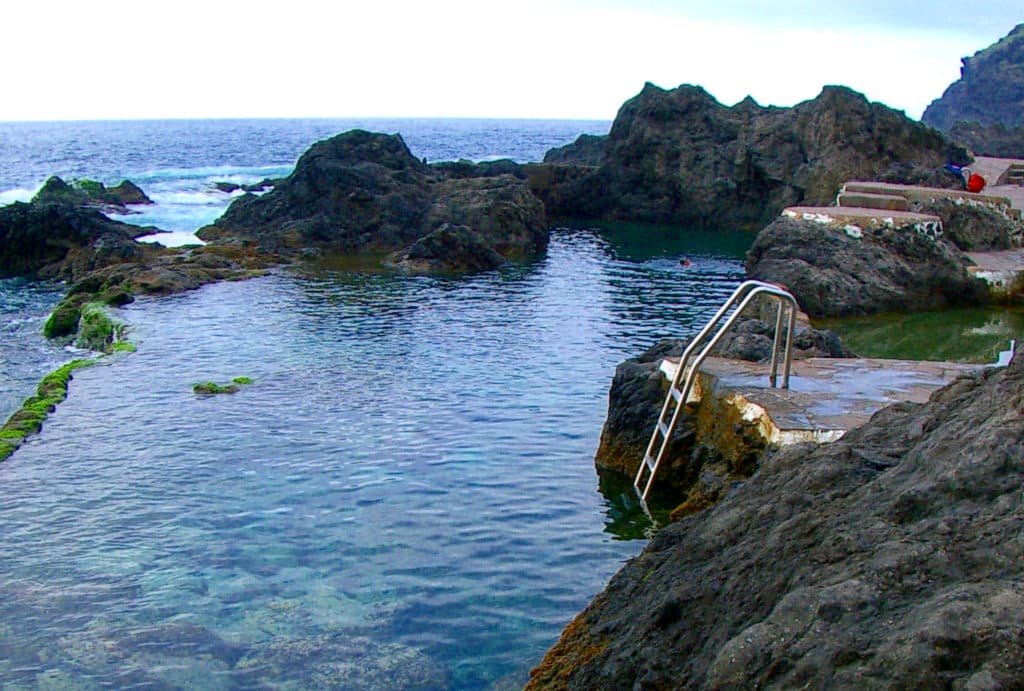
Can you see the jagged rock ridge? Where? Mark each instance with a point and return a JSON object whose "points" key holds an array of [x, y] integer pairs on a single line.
{"points": [[990, 90], [681, 157]]}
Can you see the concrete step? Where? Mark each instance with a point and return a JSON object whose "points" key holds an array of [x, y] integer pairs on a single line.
{"points": [[854, 218], [827, 397], [914, 193], [870, 200]]}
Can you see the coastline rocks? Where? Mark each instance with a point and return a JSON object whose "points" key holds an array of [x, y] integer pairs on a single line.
{"points": [[890, 558], [449, 248], [63, 240], [990, 140], [834, 272], [990, 90], [91, 193], [587, 150], [229, 187], [971, 226], [681, 157], [365, 192]]}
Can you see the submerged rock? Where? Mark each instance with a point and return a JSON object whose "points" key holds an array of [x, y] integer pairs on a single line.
{"points": [[835, 272], [681, 157], [890, 558], [364, 192]]}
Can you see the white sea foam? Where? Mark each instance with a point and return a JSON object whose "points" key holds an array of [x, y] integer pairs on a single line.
{"points": [[16, 195], [172, 239]]}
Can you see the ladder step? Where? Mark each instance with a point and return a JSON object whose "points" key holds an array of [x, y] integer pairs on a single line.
{"points": [[663, 428], [677, 395], [649, 462]]}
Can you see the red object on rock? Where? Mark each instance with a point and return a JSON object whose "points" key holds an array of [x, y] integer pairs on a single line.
{"points": [[975, 183]]}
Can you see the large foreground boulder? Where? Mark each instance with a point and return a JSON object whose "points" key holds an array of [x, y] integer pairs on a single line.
{"points": [[63, 240], [892, 558], [835, 271], [681, 157], [364, 192]]}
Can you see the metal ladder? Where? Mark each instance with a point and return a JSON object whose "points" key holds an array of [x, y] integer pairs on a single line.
{"points": [[675, 401]]}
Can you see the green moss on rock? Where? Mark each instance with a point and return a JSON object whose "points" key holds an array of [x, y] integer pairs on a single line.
{"points": [[29, 418], [97, 330], [209, 387], [63, 321]]}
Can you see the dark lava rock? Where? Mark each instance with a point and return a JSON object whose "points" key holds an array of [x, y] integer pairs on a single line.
{"points": [[365, 192], [972, 227], [681, 157], [833, 274], [990, 140], [91, 193], [990, 90], [483, 169], [450, 248], [63, 240], [587, 150], [891, 558]]}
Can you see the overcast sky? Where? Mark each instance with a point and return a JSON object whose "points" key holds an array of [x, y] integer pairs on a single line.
{"points": [[472, 58]]}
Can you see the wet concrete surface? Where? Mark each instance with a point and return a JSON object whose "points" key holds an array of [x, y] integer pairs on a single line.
{"points": [[826, 396]]}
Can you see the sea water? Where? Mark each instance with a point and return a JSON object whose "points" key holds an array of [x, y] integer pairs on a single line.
{"points": [[404, 497]]}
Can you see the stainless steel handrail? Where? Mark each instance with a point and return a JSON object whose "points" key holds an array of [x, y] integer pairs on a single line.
{"points": [[747, 290]]}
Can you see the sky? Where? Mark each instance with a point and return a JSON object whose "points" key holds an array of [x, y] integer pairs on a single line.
{"points": [[573, 59]]}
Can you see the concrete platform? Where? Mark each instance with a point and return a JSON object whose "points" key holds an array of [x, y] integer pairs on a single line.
{"points": [[855, 218], [1003, 270], [826, 397], [920, 193]]}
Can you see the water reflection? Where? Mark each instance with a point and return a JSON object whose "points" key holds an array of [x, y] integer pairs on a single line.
{"points": [[966, 335]]}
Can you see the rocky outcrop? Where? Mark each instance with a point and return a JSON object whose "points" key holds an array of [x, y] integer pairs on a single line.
{"points": [[989, 140], [364, 192], [891, 558], [990, 90], [972, 227], [587, 150], [638, 391], [92, 193], [63, 240], [230, 187], [681, 157], [836, 272], [449, 248]]}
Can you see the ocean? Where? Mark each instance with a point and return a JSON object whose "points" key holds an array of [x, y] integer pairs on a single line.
{"points": [[403, 498]]}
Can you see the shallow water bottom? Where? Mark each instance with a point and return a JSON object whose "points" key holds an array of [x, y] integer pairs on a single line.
{"points": [[965, 335], [404, 497]]}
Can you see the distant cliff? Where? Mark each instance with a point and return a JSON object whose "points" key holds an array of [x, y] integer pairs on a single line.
{"points": [[990, 90]]}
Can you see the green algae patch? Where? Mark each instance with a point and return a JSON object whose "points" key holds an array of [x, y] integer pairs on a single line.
{"points": [[210, 388], [63, 321], [97, 330], [28, 420]]}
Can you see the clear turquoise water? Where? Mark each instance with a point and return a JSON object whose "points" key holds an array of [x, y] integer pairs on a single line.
{"points": [[404, 498]]}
